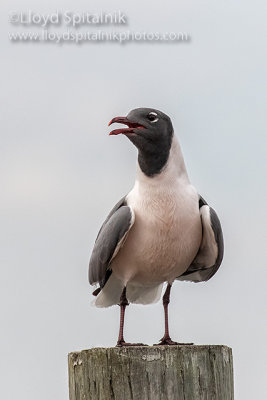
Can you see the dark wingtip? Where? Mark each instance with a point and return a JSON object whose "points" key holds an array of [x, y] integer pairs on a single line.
{"points": [[96, 292]]}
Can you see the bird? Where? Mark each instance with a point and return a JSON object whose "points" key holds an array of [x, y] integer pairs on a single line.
{"points": [[161, 231]]}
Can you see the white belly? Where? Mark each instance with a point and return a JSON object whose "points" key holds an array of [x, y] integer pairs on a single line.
{"points": [[164, 239]]}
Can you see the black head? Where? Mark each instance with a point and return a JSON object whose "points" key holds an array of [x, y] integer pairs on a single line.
{"points": [[151, 132]]}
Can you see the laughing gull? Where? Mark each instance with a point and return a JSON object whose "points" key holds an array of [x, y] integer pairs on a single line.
{"points": [[162, 230]]}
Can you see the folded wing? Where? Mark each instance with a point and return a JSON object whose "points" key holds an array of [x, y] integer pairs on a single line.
{"points": [[108, 242], [210, 254]]}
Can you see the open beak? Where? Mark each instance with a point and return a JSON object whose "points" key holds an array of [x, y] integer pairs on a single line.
{"points": [[132, 126]]}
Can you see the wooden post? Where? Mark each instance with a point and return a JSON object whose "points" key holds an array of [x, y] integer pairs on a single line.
{"points": [[152, 373]]}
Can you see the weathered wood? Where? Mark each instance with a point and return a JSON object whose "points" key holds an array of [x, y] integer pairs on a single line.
{"points": [[152, 373]]}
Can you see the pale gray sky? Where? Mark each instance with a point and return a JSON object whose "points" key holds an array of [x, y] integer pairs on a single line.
{"points": [[60, 174]]}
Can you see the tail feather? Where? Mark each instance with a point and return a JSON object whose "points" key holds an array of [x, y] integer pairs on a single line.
{"points": [[110, 294], [143, 294]]}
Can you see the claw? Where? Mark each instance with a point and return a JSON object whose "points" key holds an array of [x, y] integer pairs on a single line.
{"points": [[122, 343], [166, 341]]}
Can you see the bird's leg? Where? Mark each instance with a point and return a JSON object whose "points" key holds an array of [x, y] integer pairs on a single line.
{"points": [[166, 340], [165, 300], [123, 303]]}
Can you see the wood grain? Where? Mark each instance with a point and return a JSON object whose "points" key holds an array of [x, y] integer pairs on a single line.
{"points": [[152, 373]]}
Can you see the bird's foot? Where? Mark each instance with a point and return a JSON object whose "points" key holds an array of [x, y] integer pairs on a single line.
{"points": [[166, 341], [122, 343]]}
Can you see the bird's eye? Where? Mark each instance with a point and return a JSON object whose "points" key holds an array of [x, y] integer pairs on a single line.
{"points": [[152, 117]]}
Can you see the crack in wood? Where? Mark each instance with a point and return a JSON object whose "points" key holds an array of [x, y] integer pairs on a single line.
{"points": [[146, 373]]}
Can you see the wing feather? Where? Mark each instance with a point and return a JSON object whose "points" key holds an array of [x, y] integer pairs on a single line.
{"points": [[109, 240], [210, 254]]}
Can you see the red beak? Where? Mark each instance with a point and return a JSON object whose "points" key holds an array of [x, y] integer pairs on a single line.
{"points": [[125, 131]]}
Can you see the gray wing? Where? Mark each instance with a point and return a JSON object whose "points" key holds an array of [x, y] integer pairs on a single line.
{"points": [[210, 253], [108, 242]]}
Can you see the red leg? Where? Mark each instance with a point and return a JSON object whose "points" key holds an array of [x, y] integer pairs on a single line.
{"points": [[123, 303], [166, 340]]}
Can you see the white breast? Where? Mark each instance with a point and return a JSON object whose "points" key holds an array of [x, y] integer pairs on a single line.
{"points": [[167, 231]]}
